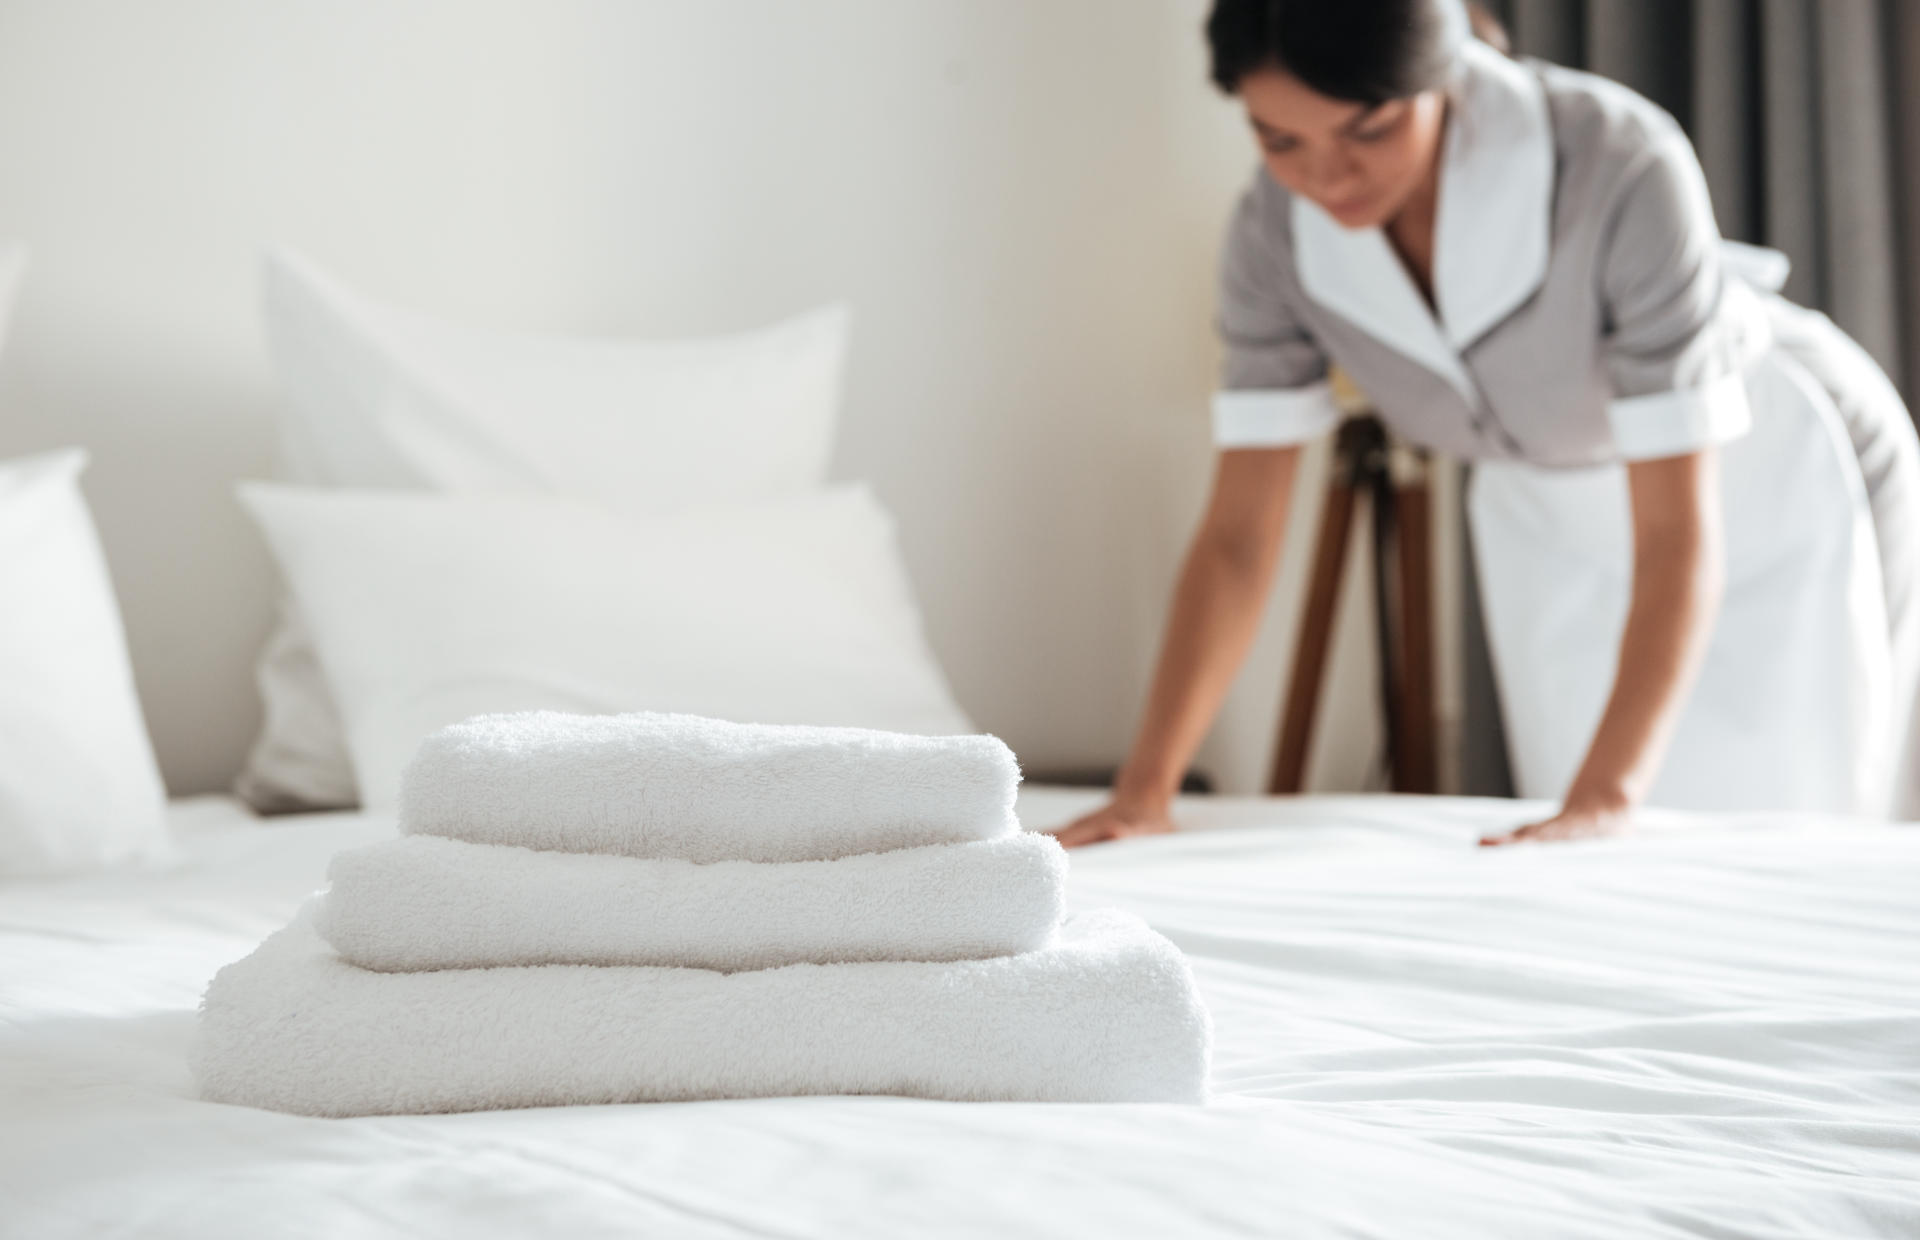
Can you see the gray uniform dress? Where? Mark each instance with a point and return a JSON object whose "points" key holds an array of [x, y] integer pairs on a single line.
{"points": [[1586, 312]]}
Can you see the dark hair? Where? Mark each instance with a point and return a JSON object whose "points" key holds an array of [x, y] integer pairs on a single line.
{"points": [[1365, 51]]}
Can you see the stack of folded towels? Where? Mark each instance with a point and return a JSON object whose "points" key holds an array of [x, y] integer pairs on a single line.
{"points": [[597, 909]]}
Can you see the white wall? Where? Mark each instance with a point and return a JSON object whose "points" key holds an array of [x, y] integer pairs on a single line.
{"points": [[1021, 199]]}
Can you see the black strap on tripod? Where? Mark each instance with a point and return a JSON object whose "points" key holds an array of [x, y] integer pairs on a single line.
{"points": [[1367, 463]]}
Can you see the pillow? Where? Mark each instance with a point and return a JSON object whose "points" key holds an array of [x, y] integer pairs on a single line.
{"points": [[79, 787], [379, 397], [299, 760], [427, 609]]}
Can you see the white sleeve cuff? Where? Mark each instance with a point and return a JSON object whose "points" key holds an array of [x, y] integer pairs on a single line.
{"points": [[1676, 423], [1273, 418]]}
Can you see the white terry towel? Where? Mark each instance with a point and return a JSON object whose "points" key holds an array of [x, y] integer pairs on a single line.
{"points": [[420, 902], [1107, 1013], [652, 785]]}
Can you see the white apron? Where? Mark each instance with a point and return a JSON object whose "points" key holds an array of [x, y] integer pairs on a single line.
{"points": [[1793, 709]]}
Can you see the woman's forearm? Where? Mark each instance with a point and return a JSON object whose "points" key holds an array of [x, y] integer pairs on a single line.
{"points": [[1216, 612], [1678, 576], [1222, 592]]}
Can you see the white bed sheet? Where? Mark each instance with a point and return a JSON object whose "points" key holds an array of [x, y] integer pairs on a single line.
{"points": [[1709, 1031]]}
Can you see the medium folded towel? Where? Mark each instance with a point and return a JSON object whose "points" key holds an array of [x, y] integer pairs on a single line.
{"points": [[426, 903], [1106, 1013], [650, 785]]}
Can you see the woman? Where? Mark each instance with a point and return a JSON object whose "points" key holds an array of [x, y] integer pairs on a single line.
{"points": [[1519, 265]]}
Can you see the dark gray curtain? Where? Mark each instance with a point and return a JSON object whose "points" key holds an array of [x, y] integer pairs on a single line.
{"points": [[1806, 115], [1802, 111]]}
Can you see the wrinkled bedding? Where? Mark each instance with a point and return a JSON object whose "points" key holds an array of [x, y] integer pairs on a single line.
{"points": [[1710, 1029]]}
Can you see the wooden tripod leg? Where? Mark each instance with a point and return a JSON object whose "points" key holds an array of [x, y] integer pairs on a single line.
{"points": [[1416, 765], [1316, 636]]}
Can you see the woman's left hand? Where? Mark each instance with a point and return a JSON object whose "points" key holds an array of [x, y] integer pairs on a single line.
{"points": [[1581, 818]]}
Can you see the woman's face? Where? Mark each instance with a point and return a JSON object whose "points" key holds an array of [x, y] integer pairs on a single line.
{"points": [[1357, 163]]}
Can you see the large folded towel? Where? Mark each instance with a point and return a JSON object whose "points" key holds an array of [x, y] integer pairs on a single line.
{"points": [[420, 902], [1107, 1013], [650, 785]]}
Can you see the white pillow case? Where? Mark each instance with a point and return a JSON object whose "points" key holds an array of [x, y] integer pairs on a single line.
{"points": [[378, 397], [427, 609], [79, 787]]}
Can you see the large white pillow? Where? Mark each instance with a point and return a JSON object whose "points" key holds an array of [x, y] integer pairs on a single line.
{"points": [[374, 396], [429, 608], [78, 783]]}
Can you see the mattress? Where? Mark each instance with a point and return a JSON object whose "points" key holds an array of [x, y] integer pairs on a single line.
{"points": [[1711, 1029]]}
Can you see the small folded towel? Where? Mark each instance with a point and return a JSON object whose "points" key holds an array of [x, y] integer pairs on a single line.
{"points": [[1106, 1013], [420, 902], [650, 785]]}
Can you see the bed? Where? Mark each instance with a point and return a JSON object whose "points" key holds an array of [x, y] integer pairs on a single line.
{"points": [[1710, 1030]]}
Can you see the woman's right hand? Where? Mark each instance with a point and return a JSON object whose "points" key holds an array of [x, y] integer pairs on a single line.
{"points": [[1118, 819]]}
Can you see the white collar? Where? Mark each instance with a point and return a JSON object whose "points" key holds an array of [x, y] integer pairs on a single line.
{"points": [[1492, 228]]}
